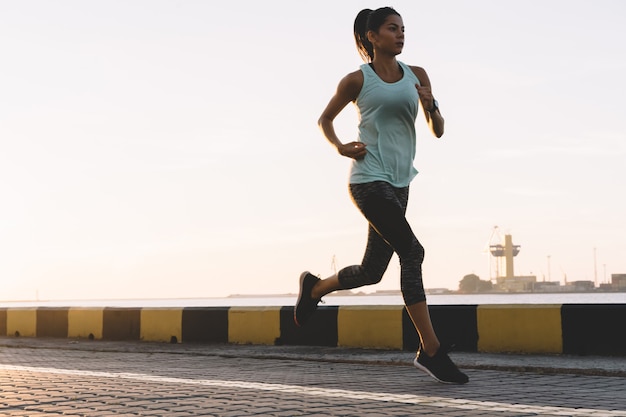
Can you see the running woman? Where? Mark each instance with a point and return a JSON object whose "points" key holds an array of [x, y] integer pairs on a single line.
{"points": [[387, 94]]}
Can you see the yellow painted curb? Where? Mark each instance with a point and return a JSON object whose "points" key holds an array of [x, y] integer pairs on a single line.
{"points": [[22, 322], [161, 324], [254, 325], [370, 327], [520, 328], [84, 321]]}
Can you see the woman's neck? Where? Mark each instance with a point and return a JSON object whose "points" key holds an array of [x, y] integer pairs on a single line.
{"points": [[388, 70], [385, 63]]}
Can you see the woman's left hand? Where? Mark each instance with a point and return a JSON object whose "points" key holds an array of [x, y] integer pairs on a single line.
{"points": [[426, 96]]}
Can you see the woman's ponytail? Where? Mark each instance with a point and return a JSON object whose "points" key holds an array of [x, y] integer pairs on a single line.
{"points": [[363, 45]]}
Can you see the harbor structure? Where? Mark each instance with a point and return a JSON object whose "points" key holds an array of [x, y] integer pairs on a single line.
{"points": [[509, 282]]}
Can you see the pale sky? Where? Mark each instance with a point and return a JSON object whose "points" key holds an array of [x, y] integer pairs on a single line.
{"points": [[170, 148]]}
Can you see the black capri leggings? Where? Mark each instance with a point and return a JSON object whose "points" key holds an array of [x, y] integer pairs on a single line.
{"points": [[384, 207]]}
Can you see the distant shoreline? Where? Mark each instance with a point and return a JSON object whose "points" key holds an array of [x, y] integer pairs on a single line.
{"points": [[428, 292], [339, 295], [283, 300]]}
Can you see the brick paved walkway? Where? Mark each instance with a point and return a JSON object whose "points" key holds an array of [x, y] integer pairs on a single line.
{"points": [[63, 380]]}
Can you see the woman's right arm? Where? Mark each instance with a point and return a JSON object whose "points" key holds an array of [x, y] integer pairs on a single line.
{"points": [[347, 91]]}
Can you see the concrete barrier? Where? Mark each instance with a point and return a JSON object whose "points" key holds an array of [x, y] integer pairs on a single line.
{"points": [[580, 329], [523, 328]]}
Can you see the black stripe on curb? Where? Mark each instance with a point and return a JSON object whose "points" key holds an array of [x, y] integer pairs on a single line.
{"points": [[3, 321], [205, 324], [321, 330], [594, 329], [454, 324], [410, 339], [121, 323], [52, 322]]}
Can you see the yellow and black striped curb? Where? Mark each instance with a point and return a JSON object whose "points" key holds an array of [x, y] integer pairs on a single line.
{"points": [[584, 329]]}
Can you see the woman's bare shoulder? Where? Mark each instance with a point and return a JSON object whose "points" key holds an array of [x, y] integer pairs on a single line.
{"points": [[421, 74], [351, 84], [354, 78]]}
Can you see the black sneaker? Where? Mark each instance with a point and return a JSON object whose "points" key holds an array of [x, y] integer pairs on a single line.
{"points": [[440, 367], [306, 305]]}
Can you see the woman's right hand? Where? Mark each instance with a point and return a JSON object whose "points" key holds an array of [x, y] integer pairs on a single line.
{"points": [[354, 150]]}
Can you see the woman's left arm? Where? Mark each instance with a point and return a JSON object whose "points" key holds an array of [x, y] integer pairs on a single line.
{"points": [[434, 119]]}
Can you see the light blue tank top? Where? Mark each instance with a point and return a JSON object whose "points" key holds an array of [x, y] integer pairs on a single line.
{"points": [[387, 113]]}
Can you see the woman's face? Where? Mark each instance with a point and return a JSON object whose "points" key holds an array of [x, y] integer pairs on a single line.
{"points": [[390, 36]]}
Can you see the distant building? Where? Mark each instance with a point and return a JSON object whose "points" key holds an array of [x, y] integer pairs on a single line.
{"points": [[547, 286], [510, 282], [618, 281], [580, 286], [516, 283], [507, 251]]}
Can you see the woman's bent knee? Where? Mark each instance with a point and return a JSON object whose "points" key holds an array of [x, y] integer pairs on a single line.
{"points": [[356, 276]]}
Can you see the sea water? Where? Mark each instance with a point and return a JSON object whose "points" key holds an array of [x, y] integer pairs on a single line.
{"points": [[352, 300]]}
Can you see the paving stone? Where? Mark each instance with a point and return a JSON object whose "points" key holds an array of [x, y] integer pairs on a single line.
{"points": [[152, 380]]}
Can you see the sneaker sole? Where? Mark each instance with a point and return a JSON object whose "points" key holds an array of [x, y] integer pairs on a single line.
{"points": [[426, 370]]}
